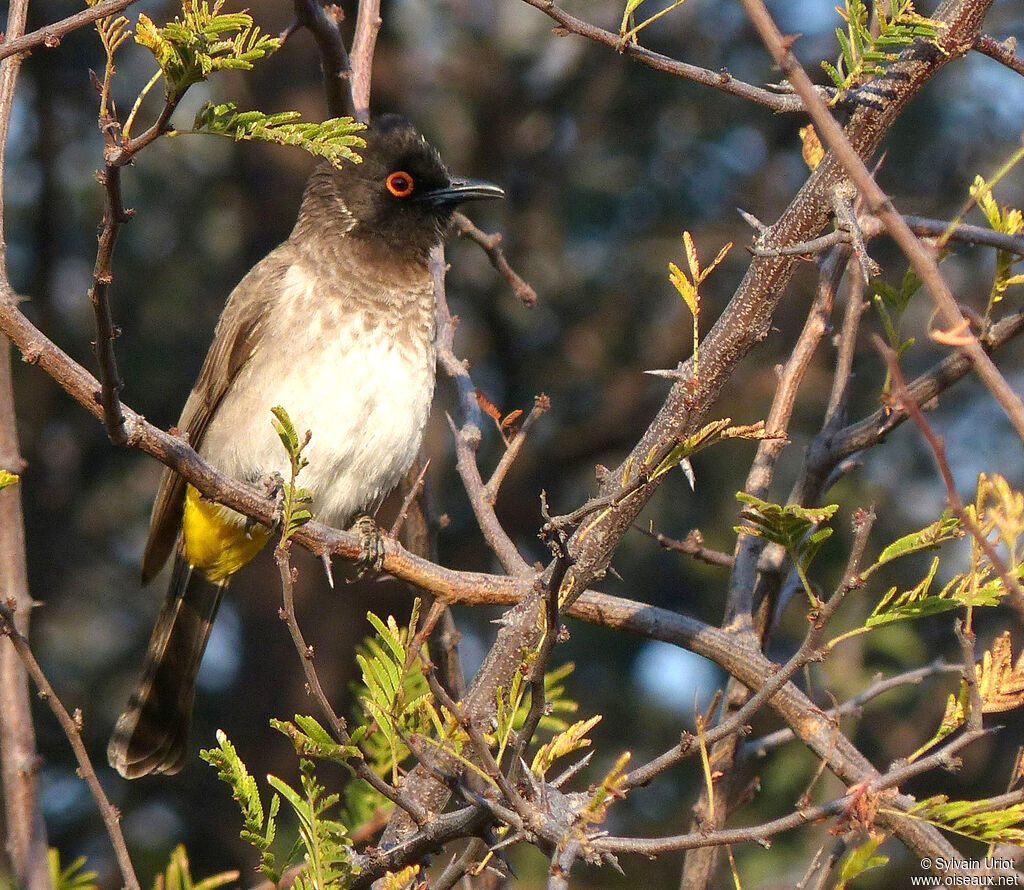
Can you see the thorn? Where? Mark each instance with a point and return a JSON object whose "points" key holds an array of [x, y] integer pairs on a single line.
{"points": [[328, 570], [751, 220], [668, 374], [687, 469]]}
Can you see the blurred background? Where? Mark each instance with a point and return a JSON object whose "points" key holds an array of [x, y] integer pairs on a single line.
{"points": [[605, 163]]}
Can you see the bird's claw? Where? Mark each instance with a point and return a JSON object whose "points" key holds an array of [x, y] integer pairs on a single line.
{"points": [[371, 545], [270, 485]]}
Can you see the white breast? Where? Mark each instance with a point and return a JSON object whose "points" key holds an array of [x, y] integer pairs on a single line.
{"points": [[364, 395]]}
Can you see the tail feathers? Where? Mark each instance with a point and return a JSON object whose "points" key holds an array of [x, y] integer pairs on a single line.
{"points": [[151, 736]]}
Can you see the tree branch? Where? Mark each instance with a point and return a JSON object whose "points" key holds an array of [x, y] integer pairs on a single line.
{"points": [[719, 80], [50, 35], [19, 761]]}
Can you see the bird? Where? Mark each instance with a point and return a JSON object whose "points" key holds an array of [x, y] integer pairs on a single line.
{"points": [[337, 326]]}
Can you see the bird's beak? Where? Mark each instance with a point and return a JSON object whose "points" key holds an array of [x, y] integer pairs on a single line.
{"points": [[459, 190]]}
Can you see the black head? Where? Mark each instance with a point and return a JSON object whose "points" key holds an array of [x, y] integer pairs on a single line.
{"points": [[401, 194]]}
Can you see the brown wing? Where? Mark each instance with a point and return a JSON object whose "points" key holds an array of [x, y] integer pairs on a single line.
{"points": [[238, 332]]}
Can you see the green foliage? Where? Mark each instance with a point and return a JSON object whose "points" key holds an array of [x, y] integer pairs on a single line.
{"points": [[864, 55], [945, 528], [295, 511], [998, 514], [395, 694], [514, 707], [312, 740], [790, 526], [333, 139], [688, 287], [891, 303], [975, 819], [570, 740], [327, 848], [1000, 683], [257, 830], [1009, 221], [7, 479], [860, 859], [72, 877], [178, 876], [322, 842], [201, 42]]}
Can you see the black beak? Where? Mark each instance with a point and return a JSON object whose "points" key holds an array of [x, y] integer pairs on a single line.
{"points": [[459, 190]]}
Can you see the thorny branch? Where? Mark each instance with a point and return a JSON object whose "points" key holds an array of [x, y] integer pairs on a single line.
{"points": [[879, 204]]}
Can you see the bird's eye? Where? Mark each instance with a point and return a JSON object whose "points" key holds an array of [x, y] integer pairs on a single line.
{"points": [[400, 184]]}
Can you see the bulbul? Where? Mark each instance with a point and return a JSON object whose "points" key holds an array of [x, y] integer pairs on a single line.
{"points": [[336, 325]]}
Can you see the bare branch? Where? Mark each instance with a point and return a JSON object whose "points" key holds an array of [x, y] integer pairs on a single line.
{"points": [[490, 245], [323, 25], [26, 840], [1004, 52], [73, 730], [541, 404], [368, 23], [50, 35], [467, 434], [719, 80]]}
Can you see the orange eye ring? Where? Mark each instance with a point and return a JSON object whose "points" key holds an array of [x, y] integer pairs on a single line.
{"points": [[400, 184]]}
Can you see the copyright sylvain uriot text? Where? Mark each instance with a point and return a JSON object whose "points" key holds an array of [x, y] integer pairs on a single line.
{"points": [[969, 873]]}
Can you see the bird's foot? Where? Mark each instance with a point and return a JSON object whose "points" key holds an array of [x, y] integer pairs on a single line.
{"points": [[270, 485], [371, 545]]}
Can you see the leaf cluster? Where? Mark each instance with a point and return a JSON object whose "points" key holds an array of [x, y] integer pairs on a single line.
{"points": [[891, 303], [178, 875], [202, 41], [975, 819], [688, 287], [333, 139], [258, 829], [295, 510], [1009, 221], [865, 55], [322, 844], [70, 877], [790, 526]]}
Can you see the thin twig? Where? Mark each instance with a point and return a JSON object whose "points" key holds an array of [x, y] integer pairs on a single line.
{"points": [[896, 776], [323, 25], [491, 246], [843, 372], [1004, 52], [50, 35], [742, 582], [25, 827], [410, 497], [73, 731], [775, 678], [879, 686], [830, 447], [541, 404], [719, 80], [692, 545], [368, 24], [467, 435], [337, 724]]}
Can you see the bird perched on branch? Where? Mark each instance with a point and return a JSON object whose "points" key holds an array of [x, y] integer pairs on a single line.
{"points": [[336, 325]]}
